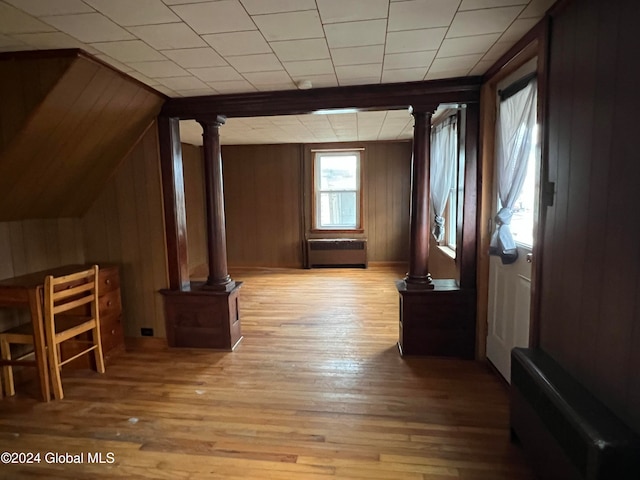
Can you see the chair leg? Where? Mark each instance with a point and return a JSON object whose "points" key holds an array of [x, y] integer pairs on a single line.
{"points": [[54, 372], [7, 370], [98, 351]]}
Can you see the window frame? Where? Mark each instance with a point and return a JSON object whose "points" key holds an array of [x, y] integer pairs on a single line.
{"points": [[316, 155]]}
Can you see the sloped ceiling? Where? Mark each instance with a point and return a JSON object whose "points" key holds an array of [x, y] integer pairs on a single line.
{"points": [[66, 122]]}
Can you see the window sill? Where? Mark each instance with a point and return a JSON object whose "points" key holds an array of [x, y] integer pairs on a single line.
{"points": [[448, 251], [330, 231]]}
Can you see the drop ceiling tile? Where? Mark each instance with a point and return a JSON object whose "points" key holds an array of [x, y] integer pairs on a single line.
{"points": [[129, 51], [275, 87], [290, 26], [114, 63], [198, 92], [43, 41], [480, 22], [195, 57], [319, 81], [309, 49], [259, 79], [454, 63], [452, 47], [89, 27], [137, 12], [356, 34], [143, 78], [238, 43], [415, 40], [480, 4], [161, 69], [167, 91], [41, 8], [357, 55], [13, 20], [404, 75], [216, 74], [408, 60], [447, 74], [264, 62], [497, 50], [6, 41], [232, 86], [216, 17], [517, 29], [309, 67], [418, 14], [260, 7], [184, 83], [337, 11], [359, 71], [168, 36], [481, 67], [537, 8]]}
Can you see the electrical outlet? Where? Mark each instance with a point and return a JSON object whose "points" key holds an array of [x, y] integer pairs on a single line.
{"points": [[146, 332]]}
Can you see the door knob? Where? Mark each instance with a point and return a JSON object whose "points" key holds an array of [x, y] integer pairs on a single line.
{"points": [[529, 257]]}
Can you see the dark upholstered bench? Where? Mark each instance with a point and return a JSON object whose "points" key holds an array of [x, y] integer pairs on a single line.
{"points": [[564, 429]]}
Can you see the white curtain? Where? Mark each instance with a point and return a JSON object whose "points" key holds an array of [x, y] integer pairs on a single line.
{"points": [[444, 156], [514, 135]]}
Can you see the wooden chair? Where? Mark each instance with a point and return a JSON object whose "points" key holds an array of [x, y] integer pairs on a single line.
{"points": [[20, 335], [71, 309]]}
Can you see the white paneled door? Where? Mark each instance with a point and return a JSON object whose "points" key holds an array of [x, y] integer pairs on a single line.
{"points": [[510, 285], [509, 302]]}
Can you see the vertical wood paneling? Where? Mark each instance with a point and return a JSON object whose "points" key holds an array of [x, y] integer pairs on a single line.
{"points": [[194, 199], [262, 205], [387, 184], [84, 125], [32, 245], [125, 226], [590, 314]]}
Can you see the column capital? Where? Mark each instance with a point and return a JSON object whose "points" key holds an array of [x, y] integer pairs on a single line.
{"points": [[423, 109], [211, 121]]}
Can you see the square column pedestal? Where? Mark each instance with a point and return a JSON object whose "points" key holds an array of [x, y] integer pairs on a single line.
{"points": [[202, 318], [439, 321]]}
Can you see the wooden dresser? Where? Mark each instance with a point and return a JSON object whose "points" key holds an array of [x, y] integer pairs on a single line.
{"points": [[111, 328]]}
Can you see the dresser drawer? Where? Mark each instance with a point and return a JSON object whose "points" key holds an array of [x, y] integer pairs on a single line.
{"points": [[111, 332], [109, 303], [108, 280]]}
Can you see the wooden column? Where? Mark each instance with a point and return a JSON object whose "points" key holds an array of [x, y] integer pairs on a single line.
{"points": [[418, 275], [175, 216], [219, 278], [198, 315]]}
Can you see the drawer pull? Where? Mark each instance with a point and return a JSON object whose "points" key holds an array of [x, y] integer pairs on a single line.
{"points": [[113, 332], [108, 281], [109, 303]]}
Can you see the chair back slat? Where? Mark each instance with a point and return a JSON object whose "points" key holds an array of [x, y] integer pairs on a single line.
{"points": [[70, 305]]}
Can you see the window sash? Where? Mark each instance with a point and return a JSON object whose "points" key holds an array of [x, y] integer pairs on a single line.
{"points": [[332, 219]]}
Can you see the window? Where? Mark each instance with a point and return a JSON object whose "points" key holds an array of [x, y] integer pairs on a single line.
{"points": [[523, 208], [337, 190], [452, 217]]}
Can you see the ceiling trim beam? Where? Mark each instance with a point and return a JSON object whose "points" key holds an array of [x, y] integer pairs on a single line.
{"points": [[391, 96]]}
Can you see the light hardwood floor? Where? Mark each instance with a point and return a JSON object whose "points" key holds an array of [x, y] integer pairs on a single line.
{"points": [[316, 390]]}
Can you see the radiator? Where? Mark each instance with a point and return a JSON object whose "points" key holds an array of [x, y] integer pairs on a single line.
{"points": [[336, 252]]}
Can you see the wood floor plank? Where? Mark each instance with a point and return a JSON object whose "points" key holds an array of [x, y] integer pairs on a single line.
{"points": [[316, 390]]}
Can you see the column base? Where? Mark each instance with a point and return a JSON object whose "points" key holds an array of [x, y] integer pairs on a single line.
{"points": [[438, 321], [203, 317]]}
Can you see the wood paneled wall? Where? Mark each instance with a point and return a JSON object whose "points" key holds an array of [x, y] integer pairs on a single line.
{"points": [[590, 303], [387, 187], [32, 245], [193, 165], [264, 191], [23, 85], [263, 195], [125, 226], [74, 137]]}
